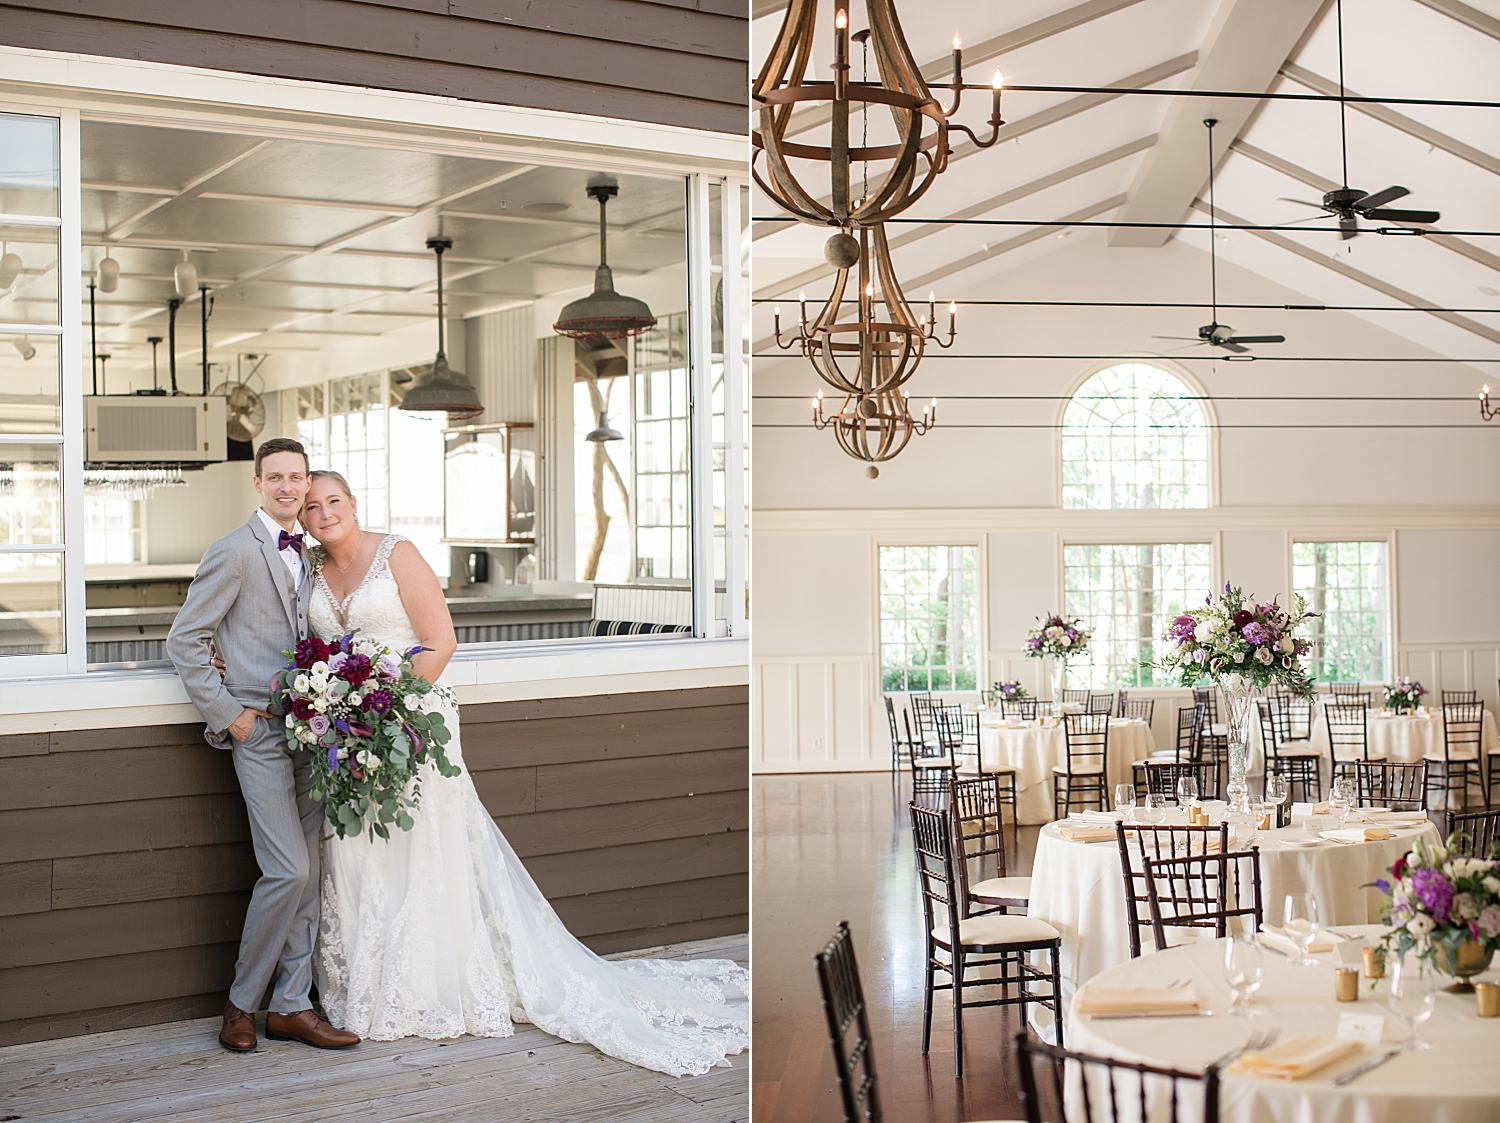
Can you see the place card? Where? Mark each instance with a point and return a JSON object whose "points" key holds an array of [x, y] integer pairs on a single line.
{"points": [[1364, 1028]]}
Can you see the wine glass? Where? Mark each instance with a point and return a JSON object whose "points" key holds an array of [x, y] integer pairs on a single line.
{"points": [[1244, 967], [1277, 789], [1411, 995], [1342, 798], [1156, 807], [1187, 791], [1300, 923], [1125, 799]]}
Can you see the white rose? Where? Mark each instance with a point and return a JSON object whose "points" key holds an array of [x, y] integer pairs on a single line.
{"points": [[1263, 655], [355, 697], [1065, 640], [1492, 885], [1286, 645], [1054, 631], [1203, 632], [1420, 925], [1239, 656], [320, 705], [411, 702]]}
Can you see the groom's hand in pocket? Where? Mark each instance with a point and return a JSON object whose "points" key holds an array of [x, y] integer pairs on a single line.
{"points": [[241, 726]]}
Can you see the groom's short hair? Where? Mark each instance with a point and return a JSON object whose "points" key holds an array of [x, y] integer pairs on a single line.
{"points": [[280, 444]]}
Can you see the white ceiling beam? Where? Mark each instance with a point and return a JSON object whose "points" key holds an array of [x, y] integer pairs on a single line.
{"points": [[1052, 115], [915, 233], [1245, 47], [1388, 116], [1343, 268], [189, 190], [1469, 17], [1323, 186]]}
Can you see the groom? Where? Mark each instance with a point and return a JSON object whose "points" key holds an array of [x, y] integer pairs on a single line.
{"points": [[250, 599]]}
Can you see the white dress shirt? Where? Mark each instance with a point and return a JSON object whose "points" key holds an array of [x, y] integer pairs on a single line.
{"points": [[292, 557]]}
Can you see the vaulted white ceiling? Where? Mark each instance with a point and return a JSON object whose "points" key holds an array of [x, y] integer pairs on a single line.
{"points": [[1073, 156]]}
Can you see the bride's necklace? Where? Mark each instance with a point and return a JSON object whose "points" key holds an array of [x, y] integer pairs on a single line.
{"points": [[354, 557]]}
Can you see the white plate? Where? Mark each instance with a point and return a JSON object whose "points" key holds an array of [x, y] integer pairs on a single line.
{"points": [[1301, 843]]}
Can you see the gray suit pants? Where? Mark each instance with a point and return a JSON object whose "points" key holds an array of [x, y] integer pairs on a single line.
{"points": [[285, 823]]}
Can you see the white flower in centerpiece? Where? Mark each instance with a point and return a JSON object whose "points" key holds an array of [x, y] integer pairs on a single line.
{"points": [[1469, 867], [1489, 921], [1204, 631], [1263, 655], [1465, 905], [1065, 640], [1492, 885], [1420, 925], [1054, 631], [1286, 646], [1239, 656]]}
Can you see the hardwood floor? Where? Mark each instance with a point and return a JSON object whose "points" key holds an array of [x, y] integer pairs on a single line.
{"points": [[833, 847], [177, 1073]]}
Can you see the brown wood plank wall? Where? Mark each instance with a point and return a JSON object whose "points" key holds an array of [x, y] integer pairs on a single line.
{"points": [[125, 863], [678, 62]]}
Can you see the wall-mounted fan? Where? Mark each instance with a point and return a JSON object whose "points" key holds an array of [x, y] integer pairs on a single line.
{"points": [[1216, 334], [245, 411], [1350, 204]]}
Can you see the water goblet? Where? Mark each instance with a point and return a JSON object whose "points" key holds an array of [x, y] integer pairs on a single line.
{"points": [[1156, 807], [1277, 788], [1187, 791], [1411, 994], [1300, 923], [1125, 800], [1244, 968], [1341, 798]]}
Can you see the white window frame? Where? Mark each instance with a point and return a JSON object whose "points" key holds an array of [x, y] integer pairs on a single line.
{"points": [[69, 86], [1393, 656], [981, 597]]}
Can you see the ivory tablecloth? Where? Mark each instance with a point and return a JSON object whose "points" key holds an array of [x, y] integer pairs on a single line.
{"points": [[1032, 749], [1456, 1081], [1404, 738]]}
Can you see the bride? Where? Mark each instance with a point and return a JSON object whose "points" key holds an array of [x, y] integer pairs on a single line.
{"points": [[440, 931]]}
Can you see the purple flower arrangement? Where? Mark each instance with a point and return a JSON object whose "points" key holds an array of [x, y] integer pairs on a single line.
{"points": [[1406, 695], [1232, 634], [1436, 901], [1010, 691], [363, 713], [1062, 639]]}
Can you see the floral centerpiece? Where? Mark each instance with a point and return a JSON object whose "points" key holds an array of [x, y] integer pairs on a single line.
{"points": [[1243, 646], [1010, 691], [1405, 696], [1061, 639], [367, 718], [1447, 908]]}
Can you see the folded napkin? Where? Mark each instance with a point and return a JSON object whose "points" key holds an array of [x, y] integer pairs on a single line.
{"points": [[1278, 939], [1374, 816], [1141, 1000], [1297, 1057], [1094, 817], [1358, 834], [1084, 833]]}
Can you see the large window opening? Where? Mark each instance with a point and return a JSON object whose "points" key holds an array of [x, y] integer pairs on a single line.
{"points": [[1134, 436], [1347, 585], [929, 618]]}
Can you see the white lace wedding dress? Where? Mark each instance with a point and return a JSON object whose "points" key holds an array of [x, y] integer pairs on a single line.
{"points": [[440, 931]]}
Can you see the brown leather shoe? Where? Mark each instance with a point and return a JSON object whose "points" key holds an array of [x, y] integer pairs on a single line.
{"points": [[308, 1028], [238, 1034]]}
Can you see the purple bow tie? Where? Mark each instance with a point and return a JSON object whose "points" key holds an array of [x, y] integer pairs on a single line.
{"points": [[292, 540]]}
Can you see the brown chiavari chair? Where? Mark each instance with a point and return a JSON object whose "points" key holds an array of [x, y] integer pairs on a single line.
{"points": [[979, 828], [1162, 777], [1351, 692], [958, 943], [901, 747], [1158, 841], [1383, 783], [929, 774], [1463, 727], [1101, 704], [952, 737], [844, 1005], [1460, 696], [1023, 708], [1348, 734], [1085, 777], [1478, 834], [1189, 725], [1143, 709], [1298, 713], [1202, 892], [1082, 1088], [1299, 766], [1213, 738], [1076, 698]]}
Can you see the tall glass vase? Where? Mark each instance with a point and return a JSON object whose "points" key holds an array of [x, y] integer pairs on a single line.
{"points": [[1240, 693], [1059, 681]]}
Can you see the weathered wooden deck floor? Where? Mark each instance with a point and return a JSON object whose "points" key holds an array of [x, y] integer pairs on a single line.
{"points": [[177, 1073]]}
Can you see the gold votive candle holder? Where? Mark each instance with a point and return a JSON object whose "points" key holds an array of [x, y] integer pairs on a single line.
{"points": [[1263, 819], [1374, 963], [1346, 984], [1487, 997]]}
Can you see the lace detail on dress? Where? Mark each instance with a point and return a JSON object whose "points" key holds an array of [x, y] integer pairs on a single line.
{"points": [[441, 931]]}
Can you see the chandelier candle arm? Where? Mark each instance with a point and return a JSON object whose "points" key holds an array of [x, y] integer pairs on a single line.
{"points": [[1486, 411]]}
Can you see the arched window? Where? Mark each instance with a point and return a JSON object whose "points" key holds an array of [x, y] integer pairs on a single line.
{"points": [[1134, 435]]}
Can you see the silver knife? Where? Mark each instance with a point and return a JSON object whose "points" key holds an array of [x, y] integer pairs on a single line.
{"points": [[1366, 1067]]}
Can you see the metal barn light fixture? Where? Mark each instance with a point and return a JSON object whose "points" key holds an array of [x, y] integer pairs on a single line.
{"points": [[870, 358], [1486, 411], [442, 389], [604, 314], [905, 168]]}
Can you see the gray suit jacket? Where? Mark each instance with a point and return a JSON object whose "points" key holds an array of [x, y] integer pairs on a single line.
{"points": [[245, 601]]}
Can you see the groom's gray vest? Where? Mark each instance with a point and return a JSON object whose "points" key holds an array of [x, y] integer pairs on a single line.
{"points": [[245, 600]]}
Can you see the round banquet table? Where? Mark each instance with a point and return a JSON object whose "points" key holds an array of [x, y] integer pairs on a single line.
{"points": [[1403, 738], [1032, 748], [1079, 889], [1456, 1081]]}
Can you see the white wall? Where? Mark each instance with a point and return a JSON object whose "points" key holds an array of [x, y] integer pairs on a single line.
{"points": [[182, 522], [819, 520]]}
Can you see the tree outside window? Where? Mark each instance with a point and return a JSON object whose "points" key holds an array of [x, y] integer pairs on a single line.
{"points": [[929, 618]]}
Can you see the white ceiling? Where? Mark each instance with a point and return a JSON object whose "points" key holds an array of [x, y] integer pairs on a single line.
{"points": [[1144, 158], [309, 245]]}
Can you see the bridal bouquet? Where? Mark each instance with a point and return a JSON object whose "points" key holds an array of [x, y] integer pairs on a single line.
{"points": [[1233, 635], [1437, 904], [1404, 696], [1057, 637], [363, 712]]}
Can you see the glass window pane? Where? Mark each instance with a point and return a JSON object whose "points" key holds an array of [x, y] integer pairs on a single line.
{"points": [[30, 180], [29, 386], [929, 618], [31, 604], [30, 252], [30, 494], [1347, 585]]}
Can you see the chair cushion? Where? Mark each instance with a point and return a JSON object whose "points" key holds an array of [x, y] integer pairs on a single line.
{"points": [[932, 762], [990, 931], [1457, 754], [1002, 889], [1086, 770], [1300, 754]]}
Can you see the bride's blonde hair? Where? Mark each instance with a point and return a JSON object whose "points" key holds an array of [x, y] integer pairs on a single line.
{"points": [[337, 478]]}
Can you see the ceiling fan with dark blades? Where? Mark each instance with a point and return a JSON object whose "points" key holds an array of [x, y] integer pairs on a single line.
{"points": [[1216, 334], [1350, 204]]}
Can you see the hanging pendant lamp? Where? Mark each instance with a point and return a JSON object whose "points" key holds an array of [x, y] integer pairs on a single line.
{"points": [[604, 314], [442, 389]]}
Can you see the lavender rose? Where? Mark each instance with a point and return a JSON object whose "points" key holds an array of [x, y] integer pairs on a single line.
{"points": [[319, 724]]}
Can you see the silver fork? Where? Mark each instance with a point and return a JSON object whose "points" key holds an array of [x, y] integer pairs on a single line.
{"points": [[1253, 1044]]}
